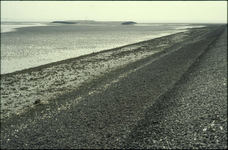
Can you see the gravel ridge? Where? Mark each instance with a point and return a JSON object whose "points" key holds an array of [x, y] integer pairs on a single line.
{"points": [[22, 89], [193, 115], [112, 114]]}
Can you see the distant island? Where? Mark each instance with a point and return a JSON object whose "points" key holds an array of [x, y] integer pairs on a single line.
{"points": [[93, 22], [77, 22], [64, 22], [129, 23]]}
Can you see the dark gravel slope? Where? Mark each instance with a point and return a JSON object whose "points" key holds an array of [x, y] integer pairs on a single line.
{"points": [[194, 113], [133, 107]]}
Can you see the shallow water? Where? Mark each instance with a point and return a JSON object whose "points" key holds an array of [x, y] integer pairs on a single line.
{"points": [[33, 46], [11, 26]]}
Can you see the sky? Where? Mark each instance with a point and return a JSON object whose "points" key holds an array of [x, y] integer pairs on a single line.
{"points": [[139, 11]]}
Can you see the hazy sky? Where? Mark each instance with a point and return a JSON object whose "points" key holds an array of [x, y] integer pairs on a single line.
{"points": [[147, 11]]}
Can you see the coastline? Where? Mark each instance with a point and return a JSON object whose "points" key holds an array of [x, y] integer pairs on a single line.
{"points": [[161, 101], [21, 58], [22, 89]]}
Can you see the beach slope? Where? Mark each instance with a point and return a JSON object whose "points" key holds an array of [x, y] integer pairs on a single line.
{"points": [[174, 98]]}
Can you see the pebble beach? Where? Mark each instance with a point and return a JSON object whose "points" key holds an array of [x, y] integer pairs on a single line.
{"points": [[169, 92], [23, 88]]}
